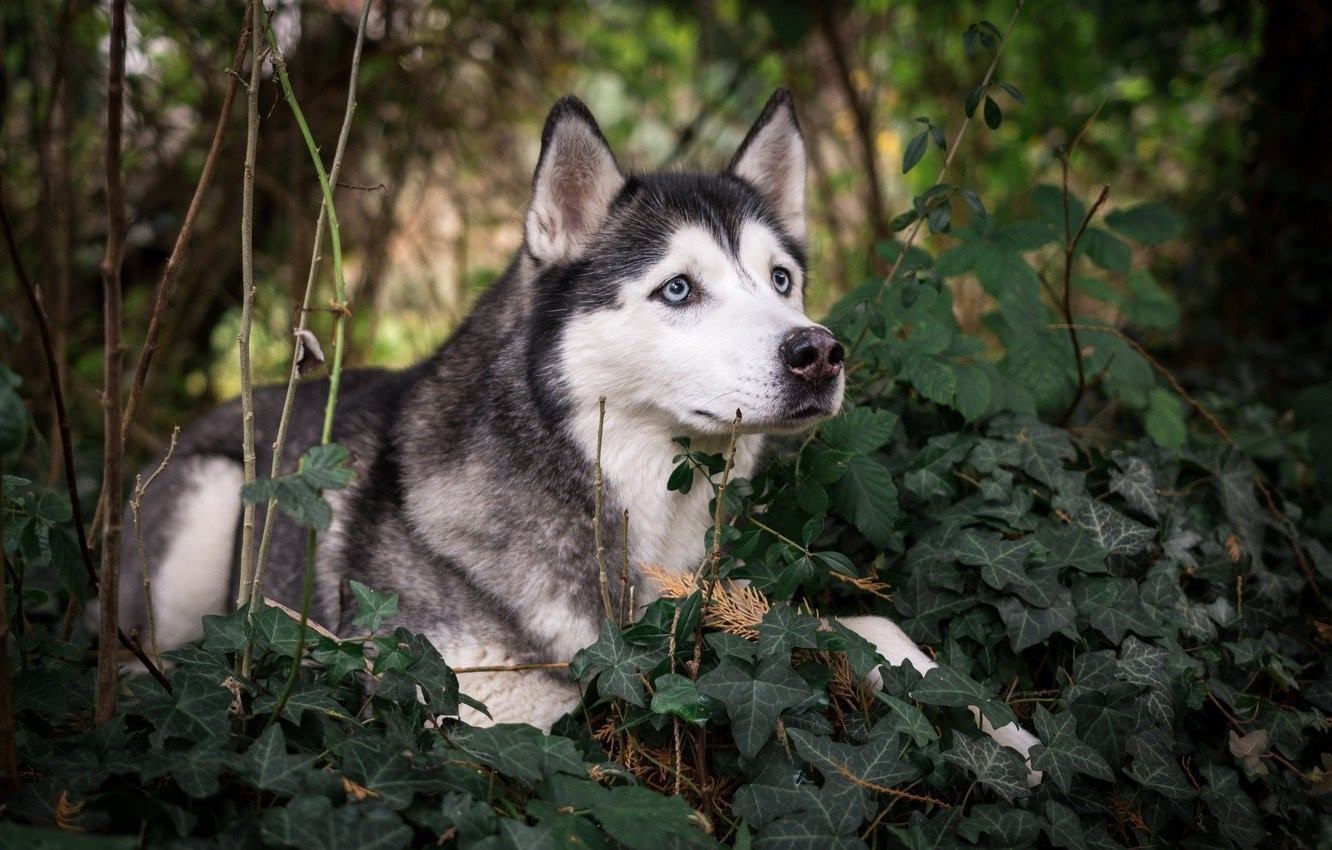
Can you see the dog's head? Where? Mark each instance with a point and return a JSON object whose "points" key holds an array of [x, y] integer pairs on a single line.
{"points": [[680, 296]]}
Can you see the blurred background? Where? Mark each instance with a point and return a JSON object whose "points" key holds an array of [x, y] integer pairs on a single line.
{"points": [[1217, 107]]}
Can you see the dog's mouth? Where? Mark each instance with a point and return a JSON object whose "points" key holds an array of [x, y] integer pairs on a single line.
{"points": [[793, 419]]}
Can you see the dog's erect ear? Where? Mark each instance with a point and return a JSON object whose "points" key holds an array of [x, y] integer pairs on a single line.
{"points": [[772, 158], [576, 179]]}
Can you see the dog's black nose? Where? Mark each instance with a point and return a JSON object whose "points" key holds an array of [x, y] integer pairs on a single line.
{"points": [[812, 354]]}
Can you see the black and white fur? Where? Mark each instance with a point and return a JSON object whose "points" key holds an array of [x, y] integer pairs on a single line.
{"points": [[473, 498]]}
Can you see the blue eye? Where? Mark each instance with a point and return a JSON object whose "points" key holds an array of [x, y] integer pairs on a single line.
{"points": [[781, 279], [676, 290]]}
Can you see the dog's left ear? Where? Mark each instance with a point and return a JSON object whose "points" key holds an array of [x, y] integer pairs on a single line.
{"points": [[772, 158], [576, 179]]}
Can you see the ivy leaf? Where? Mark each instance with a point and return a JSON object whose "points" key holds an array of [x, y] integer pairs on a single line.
{"points": [[1112, 531], [1001, 561], [994, 766], [754, 697], [275, 631], [1137, 484], [225, 633], [196, 770], [678, 695], [827, 819], [944, 686], [519, 750], [633, 816], [1114, 607], [195, 710], [1236, 816], [783, 629], [372, 606], [311, 823], [617, 664], [1028, 625], [1071, 546], [877, 762], [1062, 826], [1154, 764], [383, 770], [1003, 826], [339, 658], [1145, 665], [270, 768], [906, 718], [1061, 753]]}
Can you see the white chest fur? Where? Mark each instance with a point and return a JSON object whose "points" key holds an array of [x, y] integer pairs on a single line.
{"points": [[666, 527]]}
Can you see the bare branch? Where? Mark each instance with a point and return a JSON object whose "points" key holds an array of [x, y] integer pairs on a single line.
{"points": [[108, 666], [293, 376], [34, 299], [136, 505], [168, 280], [247, 298], [602, 580]]}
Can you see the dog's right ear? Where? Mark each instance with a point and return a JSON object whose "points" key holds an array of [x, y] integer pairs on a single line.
{"points": [[576, 179]]}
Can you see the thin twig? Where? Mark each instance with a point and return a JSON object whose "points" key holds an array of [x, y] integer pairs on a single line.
{"points": [[948, 161], [172, 267], [513, 668], [625, 612], [1070, 248], [108, 665], [602, 581], [136, 505], [293, 376], [247, 300], [714, 553], [34, 299], [339, 332], [713, 561]]}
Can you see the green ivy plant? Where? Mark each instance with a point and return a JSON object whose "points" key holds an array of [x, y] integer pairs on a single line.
{"points": [[1140, 591]]}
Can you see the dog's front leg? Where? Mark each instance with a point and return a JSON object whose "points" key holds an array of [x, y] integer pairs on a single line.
{"points": [[894, 645]]}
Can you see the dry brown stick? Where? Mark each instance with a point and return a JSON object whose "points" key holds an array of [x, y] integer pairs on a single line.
{"points": [[168, 280], [514, 668], [136, 505], [625, 612], [247, 298], [293, 376], [603, 580], [1289, 533], [62, 419], [851, 777], [108, 593], [1070, 247], [948, 160]]}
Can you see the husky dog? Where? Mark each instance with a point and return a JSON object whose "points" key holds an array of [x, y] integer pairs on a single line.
{"points": [[677, 297]]}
